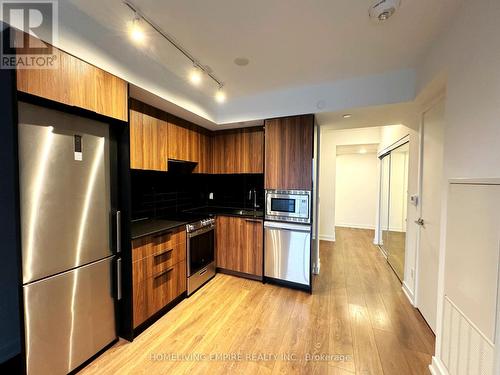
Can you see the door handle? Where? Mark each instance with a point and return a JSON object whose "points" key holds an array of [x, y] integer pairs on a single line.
{"points": [[420, 222], [118, 231]]}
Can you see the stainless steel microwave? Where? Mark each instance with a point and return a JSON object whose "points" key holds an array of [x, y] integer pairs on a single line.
{"points": [[288, 205]]}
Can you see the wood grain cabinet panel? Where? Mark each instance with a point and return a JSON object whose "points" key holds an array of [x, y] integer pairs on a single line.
{"points": [[158, 272], [148, 142], [179, 143], [111, 95], [189, 143], [77, 83], [238, 151], [289, 153], [239, 245], [205, 154]]}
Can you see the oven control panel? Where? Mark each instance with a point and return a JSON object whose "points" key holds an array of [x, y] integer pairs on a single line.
{"points": [[209, 222]]}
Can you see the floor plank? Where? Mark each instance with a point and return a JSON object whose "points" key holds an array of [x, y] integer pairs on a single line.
{"points": [[357, 321]]}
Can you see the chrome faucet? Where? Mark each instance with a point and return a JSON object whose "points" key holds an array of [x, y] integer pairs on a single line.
{"points": [[253, 192]]}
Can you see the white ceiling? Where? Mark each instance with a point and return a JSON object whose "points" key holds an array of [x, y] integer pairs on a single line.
{"points": [[304, 52], [392, 114]]}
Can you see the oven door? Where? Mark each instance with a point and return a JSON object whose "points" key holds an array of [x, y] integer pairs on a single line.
{"points": [[200, 249]]}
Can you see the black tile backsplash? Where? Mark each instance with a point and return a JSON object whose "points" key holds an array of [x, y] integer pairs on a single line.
{"points": [[164, 194]]}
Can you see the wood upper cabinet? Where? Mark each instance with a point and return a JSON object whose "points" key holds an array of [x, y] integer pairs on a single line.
{"points": [[189, 143], [205, 154], [77, 83], [148, 140], [238, 151], [289, 153], [239, 245]]}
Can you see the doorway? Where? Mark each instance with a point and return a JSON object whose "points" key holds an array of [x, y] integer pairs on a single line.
{"points": [[393, 206]]}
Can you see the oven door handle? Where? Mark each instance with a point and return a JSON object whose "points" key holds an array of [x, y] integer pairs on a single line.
{"points": [[201, 231]]}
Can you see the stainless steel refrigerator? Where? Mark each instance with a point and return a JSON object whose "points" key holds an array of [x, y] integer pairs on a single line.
{"points": [[67, 247]]}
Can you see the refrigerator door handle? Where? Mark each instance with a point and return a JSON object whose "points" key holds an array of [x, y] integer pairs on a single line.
{"points": [[119, 279], [118, 231]]}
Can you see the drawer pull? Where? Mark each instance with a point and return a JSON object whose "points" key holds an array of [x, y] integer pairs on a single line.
{"points": [[163, 273], [203, 271], [163, 253], [253, 220], [163, 234]]}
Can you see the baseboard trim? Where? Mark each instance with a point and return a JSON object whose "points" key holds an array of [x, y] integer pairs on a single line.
{"points": [[437, 367], [409, 294], [356, 226], [327, 237]]}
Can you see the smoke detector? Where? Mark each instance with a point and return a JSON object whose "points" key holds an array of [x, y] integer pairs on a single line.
{"points": [[382, 10]]}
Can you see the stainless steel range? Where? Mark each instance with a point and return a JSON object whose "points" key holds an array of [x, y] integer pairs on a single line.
{"points": [[200, 253]]}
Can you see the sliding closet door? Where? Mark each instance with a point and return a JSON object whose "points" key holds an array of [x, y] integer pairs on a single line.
{"points": [[398, 198], [385, 171]]}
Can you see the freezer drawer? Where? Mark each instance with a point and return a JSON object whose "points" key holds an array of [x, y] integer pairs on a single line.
{"points": [[69, 318], [287, 252], [65, 194]]}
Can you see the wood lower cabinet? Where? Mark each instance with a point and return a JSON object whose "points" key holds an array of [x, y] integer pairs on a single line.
{"points": [[239, 245], [238, 151], [158, 272], [77, 83], [289, 153]]}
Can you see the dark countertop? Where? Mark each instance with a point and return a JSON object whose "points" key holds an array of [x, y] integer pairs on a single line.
{"points": [[146, 227]]}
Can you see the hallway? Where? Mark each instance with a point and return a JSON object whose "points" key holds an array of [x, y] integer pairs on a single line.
{"points": [[357, 322]]}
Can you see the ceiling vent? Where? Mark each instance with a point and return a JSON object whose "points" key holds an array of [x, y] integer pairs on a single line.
{"points": [[382, 10]]}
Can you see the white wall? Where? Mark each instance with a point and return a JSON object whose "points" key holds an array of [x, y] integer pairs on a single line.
{"points": [[468, 53], [328, 152], [356, 190]]}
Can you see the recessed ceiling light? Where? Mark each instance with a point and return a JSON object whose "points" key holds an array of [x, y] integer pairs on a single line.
{"points": [[347, 115], [196, 76], [136, 32], [241, 61]]}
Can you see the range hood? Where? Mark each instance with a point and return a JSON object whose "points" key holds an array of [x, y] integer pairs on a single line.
{"points": [[181, 166]]}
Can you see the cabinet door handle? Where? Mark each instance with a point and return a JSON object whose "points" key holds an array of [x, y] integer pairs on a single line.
{"points": [[253, 220], [163, 253], [163, 273]]}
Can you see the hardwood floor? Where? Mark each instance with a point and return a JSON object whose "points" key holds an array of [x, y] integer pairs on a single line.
{"points": [[357, 321]]}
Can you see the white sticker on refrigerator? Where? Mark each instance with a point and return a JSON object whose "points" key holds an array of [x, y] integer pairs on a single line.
{"points": [[78, 148]]}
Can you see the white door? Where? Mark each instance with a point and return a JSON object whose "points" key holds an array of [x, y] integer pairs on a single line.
{"points": [[430, 211]]}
